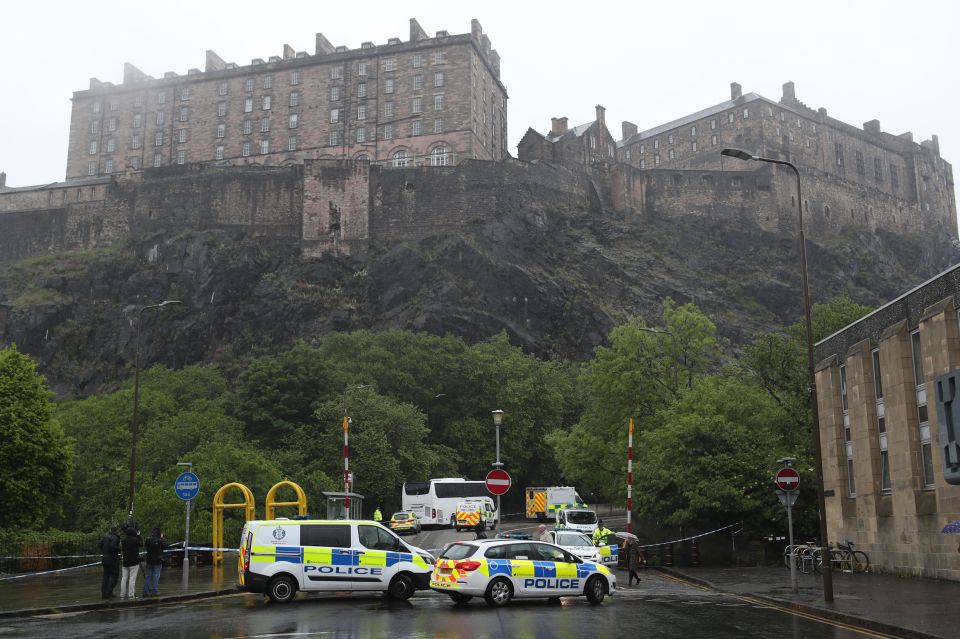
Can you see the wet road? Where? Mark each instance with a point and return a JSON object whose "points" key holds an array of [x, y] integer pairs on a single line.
{"points": [[660, 607]]}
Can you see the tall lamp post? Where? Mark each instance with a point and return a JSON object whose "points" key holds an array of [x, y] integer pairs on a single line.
{"points": [[136, 401], [808, 325], [497, 420]]}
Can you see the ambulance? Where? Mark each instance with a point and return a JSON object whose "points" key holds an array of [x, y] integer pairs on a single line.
{"points": [[281, 556], [473, 511]]}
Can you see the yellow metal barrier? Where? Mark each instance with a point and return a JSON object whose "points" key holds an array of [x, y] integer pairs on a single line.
{"points": [[272, 504], [249, 505]]}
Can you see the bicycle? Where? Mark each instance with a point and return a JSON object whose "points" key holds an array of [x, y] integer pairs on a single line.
{"points": [[844, 558], [802, 555]]}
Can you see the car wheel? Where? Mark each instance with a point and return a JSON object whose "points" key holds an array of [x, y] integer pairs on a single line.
{"points": [[459, 597], [401, 587], [499, 593], [282, 589], [596, 590]]}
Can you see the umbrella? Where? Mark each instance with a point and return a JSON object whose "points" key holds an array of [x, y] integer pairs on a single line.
{"points": [[952, 527], [626, 535]]}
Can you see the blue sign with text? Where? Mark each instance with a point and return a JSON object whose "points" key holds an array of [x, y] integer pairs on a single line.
{"points": [[187, 486]]}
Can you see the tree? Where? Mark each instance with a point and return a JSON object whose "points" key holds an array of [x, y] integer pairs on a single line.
{"points": [[36, 458]]}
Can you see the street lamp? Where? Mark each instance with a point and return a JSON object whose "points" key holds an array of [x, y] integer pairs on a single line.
{"points": [[497, 420], [136, 400], [808, 322]]}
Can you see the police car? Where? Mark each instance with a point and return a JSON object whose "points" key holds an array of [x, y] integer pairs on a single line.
{"points": [[579, 519], [579, 544], [500, 569], [405, 521], [281, 556]]}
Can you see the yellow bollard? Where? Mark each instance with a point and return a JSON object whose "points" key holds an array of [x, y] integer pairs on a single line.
{"points": [[272, 504], [249, 506]]}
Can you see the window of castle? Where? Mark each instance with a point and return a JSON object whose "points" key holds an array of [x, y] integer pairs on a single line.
{"points": [[361, 134], [294, 98], [136, 142], [388, 85], [266, 103], [292, 143], [95, 127], [730, 117], [111, 145], [838, 152], [438, 125], [388, 132], [181, 135], [361, 111], [158, 139], [294, 78], [138, 101], [894, 177], [593, 142], [221, 109], [417, 105], [181, 157], [184, 114], [247, 127], [362, 90], [693, 131], [388, 109], [672, 154], [157, 159], [713, 124], [114, 104], [268, 82], [334, 138], [438, 103], [96, 107], [641, 149], [417, 82], [418, 60], [218, 153], [860, 165], [439, 156], [438, 79], [670, 139], [160, 117], [108, 168], [390, 64], [248, 105], [264, 125], [416, 127], [221, 130], [746, 113], [656, 144], [161, 98], [185, 94], [400, 158], [294, 121], [656, 159], [363, 68], [91, 168], [643, 164], [878, 169], [736, 181], [334, 116], [438, 57], [336, 72], [693, 147], [713, 140]]}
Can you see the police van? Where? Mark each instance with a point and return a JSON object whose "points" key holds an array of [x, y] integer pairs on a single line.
{"points": [[579, 519], [472, 512], [280, 556]]}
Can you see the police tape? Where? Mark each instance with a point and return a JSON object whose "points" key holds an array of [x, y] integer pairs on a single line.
{"points": [[47, 572], [676, 541], [50, 556]]}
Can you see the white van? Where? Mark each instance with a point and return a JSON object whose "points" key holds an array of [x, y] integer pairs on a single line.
{"points": [[473, 511], [280, 556], [579, 519]]}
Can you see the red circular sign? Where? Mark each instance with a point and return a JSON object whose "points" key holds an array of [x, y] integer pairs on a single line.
{"points": [[788, 479], [498, 482]]}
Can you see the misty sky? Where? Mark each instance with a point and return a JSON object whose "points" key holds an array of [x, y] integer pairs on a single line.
{"points": [[647, 62]]}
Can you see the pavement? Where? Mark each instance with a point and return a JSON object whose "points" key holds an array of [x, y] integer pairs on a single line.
{"points": [[901, 606]]}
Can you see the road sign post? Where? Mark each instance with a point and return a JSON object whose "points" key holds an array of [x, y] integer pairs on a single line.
{"points": [[498, 483], [187, 486], [788, 481]]}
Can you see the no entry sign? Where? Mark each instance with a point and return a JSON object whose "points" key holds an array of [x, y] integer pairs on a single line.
{"points": [[788, 479], [498, 481]]}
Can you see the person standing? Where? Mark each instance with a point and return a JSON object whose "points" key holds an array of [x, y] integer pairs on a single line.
{"points": [[634, 558], [156, 544], [377, 515], [543, 535], [130, 549], [601, 533], [480, 530], [110, 547]]}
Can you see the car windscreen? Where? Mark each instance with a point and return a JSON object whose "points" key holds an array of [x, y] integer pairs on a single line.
{"points": [[458, 551], [573, 539], [401, 516], [581, 517]]}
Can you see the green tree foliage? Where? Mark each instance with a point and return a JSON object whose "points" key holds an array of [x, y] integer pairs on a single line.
{"points": [[35, 456]]}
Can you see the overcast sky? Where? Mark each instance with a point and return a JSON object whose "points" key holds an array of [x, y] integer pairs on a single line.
{"points": [[647, 62]]}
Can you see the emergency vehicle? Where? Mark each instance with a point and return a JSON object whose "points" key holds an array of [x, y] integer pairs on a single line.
{"points": [[501, 569], [405, 521], [280, 556], [578, 543], [473, 511], [579, 519], [544, 502]]}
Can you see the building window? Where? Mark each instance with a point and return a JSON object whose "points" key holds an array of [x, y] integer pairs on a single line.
{"points": [[336, 93], [881, 425], [247, 127], [672, 154], [926, 446], [295, 77], [112, 124], [245, 149], [693, 147], [641, 149], [95, 127], [894, 177], [670, 138], [439, 156], [334, 116], [713, 140], [417, 105], [361, 135], [96, 107], [388, 85], [388, 109], [184, 114], [362, 90], [248, 105], [294, 98], [91, 168], [656, 144], [222, 88], [838, 152], [361, 111], [268, 82], [860, 164], [713, 124], [417, 60], [108, 168], [181, 157], [218, 153], [388, 132], [847, 437], [248, 85], [114, 104], [266, 103], [158, 139], [334, 138], [161, 98], [157, 159], [160, 117], [656, 159], [593, 141], [439, 57], [137, 120], [730, 117], [136, 142], [362, 157], [415, 127], [878, 169], [264, 125], [438, 125], [181, 135], [390, 64], [438, 103], [111, 145], [400, 158], [292, 143], [438, 79], [264, 147], [221, 109], [746, 113], [135, 164], [294, 121], [643, 164], [336, 72], [417, 82], [184, 94]]}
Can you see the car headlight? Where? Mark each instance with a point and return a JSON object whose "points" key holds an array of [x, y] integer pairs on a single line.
{"points": [[427, 558]]}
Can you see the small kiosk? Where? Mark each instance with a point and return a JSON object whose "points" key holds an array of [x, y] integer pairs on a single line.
{"points": [[336, 506]]}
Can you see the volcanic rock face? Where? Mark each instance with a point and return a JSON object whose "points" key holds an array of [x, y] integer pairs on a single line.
{"points": [[556, 282]]}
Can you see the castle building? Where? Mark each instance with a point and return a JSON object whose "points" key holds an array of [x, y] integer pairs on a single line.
{"points": [[886, 391], [428, 101]]}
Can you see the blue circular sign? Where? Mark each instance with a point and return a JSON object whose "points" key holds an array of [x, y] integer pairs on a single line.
{"points": [[187, 486]]}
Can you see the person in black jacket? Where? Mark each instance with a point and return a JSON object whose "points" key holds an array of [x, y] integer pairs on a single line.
{"points": [[110, 547], [130, 549], [155, 545]]}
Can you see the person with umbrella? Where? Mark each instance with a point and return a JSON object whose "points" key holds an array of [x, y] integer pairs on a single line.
{"points": [[631, 548], [953, 527]]}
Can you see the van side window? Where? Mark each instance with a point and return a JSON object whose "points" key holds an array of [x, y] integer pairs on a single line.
{"points": [[330, 536], [376, 538]]}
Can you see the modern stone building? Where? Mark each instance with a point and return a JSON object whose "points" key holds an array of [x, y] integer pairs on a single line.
{"points": [[885, 459], [427, 101]]}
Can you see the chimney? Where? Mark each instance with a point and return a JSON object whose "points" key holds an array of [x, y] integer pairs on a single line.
{"points": [[932, 145], [736, 91], [476, 30], [873, 126], [629, 129], [214, 62], [789, 92], [602, 116], [3, 180], [323, 45], [288, 52], [822, 111], [558, 126], [416, 31]]}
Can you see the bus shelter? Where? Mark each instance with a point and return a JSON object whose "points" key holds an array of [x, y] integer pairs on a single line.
{"points": [[337, 509]]}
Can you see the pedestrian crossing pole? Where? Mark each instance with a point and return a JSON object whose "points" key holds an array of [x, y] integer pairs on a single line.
{"points": [[629, 475], [346, 464]]}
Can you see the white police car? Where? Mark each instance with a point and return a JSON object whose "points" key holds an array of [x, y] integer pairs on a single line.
{"points": [[576, 542], [500, 569]]}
